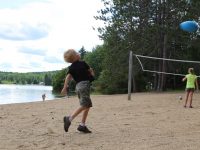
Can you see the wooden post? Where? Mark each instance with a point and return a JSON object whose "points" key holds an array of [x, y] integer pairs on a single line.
{"points": [[130, 74]]}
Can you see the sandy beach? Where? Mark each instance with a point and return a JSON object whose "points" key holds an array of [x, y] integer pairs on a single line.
{"points": [[150, 121]]}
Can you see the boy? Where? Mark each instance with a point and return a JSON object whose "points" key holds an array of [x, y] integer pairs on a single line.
{"points": [[190, 85], [83, 75]]}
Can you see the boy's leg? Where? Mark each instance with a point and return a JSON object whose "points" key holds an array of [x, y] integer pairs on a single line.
{"points": [[84, 117], [68, 119], [76, 112], [83, 89], [82, 127]]}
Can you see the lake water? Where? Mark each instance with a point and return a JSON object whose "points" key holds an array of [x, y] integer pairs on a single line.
{"points": [[24, 93]]}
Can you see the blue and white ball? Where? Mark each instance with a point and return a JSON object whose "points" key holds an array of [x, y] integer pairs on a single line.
{"points": [[189, 26]]}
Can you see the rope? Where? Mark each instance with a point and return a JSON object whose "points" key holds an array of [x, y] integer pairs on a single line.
{"points": [[197, 62], [161, 72]]}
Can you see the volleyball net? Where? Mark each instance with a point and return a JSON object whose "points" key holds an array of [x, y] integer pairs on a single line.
{"points": [[156, 65], [172, 66]]}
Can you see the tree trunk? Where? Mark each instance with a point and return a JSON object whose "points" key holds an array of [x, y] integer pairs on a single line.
{"points": [[164, 54], [163, 78]]}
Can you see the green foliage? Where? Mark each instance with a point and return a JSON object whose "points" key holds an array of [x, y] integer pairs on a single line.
{"points": [[113, 78], [26, 78], [95, 59], [6, 82], [58, 80], [47, 79]]}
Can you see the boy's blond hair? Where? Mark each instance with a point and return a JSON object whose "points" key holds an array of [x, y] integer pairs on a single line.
{"points": [[70, 55]]}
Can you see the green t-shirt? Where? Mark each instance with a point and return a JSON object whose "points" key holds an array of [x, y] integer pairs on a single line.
{"points": [[191, 80]]}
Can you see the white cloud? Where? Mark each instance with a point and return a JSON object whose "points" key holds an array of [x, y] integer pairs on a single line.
{"points": [[32, 51], [17, 3], [6, 65], [22, 32], [52, 59], [40, 31]]}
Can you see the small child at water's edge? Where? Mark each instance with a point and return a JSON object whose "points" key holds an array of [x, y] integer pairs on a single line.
{"points": [[43, 97]]}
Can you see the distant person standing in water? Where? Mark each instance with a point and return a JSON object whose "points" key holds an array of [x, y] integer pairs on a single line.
{"points": [[43, 97]]}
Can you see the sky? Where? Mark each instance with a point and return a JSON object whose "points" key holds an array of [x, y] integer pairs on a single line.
{"points": [[35, 33]]}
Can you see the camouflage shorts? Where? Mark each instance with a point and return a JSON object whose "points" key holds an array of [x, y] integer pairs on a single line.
{"points": [[83, 91]]}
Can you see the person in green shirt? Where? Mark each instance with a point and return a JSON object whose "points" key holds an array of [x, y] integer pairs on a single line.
{"points": [[190, 86]]}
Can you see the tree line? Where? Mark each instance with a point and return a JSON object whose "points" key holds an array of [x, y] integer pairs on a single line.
{"points": [[44, 78]]}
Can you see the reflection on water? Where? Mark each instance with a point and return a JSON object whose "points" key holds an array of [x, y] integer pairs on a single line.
{"points": [[24, 93]]}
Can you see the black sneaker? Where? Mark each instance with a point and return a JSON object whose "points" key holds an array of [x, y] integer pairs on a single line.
{"points": [[67, 123], [83, 129]]}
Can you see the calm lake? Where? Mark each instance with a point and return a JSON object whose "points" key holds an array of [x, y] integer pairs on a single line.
{"points": [[24, 93]]}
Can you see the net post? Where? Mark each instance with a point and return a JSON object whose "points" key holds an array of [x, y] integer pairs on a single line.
{"points": [[130, 74]]}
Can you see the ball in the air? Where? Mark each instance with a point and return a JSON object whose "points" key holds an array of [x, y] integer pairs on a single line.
{"points": [[189, 26], [180, 97]]}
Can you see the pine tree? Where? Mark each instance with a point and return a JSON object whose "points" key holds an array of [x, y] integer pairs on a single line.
{"points": [[82, 52]]}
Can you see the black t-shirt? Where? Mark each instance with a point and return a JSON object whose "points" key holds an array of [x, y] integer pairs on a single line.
{"points": [[79, 71]]}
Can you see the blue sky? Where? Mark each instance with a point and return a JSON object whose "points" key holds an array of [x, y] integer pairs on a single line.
{"points": [[35, 33], [14, 4]]}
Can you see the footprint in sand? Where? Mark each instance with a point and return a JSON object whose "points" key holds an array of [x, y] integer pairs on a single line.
{"points": [[50, 130], [151, 113]]}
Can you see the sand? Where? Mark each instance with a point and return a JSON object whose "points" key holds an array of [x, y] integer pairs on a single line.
{"points": [[150, 121]]}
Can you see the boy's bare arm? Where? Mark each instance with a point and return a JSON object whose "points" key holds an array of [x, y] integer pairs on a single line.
{"points": [[67, 79]]}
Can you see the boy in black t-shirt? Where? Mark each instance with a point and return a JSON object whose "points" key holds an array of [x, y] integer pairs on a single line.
{"points": [[83, 75]]}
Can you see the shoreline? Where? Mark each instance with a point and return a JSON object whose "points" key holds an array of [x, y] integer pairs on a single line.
{"points": [[74, 96], [36, 101]]}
